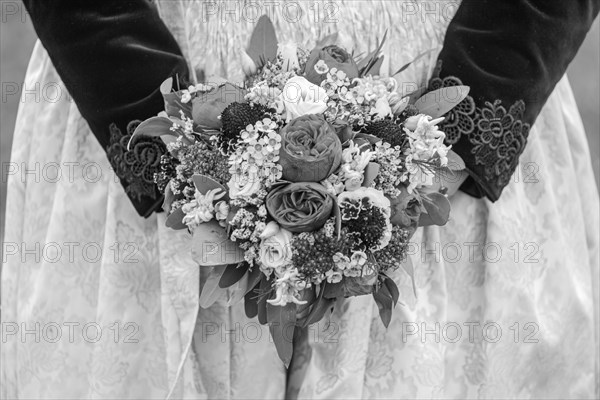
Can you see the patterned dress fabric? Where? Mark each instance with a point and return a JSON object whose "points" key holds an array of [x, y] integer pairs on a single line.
{"points": [[104, 304]]}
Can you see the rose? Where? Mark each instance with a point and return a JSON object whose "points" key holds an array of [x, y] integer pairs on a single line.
{"points": [[275, 247], [244, 183], [207, 107], [334, 57], [300, 207], [310, 149], [300, 97]]}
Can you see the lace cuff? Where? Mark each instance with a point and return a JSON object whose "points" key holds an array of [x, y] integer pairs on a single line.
{"points": [[511, 54], [136, 167], [496, 136]]}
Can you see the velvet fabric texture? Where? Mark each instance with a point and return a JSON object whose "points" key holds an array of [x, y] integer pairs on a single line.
{"points": [[112, 56], [511, 53]]}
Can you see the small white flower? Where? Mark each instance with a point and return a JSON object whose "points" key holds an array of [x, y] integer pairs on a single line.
{"points": [[321, 67]]}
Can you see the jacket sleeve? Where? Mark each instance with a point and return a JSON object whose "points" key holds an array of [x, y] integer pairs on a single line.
{"points": [[112, 56], [511, 53]]}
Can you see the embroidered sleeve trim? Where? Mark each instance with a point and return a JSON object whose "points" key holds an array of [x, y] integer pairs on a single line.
{"points": [[498, 135], [136, 167]]}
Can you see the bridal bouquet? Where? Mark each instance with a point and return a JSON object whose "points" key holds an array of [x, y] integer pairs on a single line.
{"points": [[305, 183]]}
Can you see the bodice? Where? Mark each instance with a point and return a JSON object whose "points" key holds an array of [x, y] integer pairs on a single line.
{"points": [[211, 32]]}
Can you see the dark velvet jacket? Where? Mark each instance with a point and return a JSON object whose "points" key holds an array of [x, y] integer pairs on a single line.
{"points": [[112, 55]]}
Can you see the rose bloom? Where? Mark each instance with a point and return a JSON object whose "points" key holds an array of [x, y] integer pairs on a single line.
{"points": [[334, 57], [246, 183], [275, 246], [300, 207], [208, 107], [300, 97], [310, 149]]}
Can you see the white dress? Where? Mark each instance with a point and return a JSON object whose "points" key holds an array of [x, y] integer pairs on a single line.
{"points": [[525, 267]]}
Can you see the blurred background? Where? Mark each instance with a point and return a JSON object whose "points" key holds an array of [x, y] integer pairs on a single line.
{"points": [[17, 39]]}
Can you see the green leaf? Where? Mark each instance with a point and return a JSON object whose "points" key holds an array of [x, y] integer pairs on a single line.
{"points": [[205, 183], [175, 220], [408, 267], [367, 63], [254, 277], [385, 302], [337, 214], [211, 292], [263, 42], [263, 296], [375, 69], [438, 102], [153, 127], [173, 103], [392, 288], [333, 290], [371, 172], [321, 306], [233, 274], [211, 246], [251, 303], [282, 323], [409, 64], [455, 162], [438, 207], [237, 291], [168, 200]]}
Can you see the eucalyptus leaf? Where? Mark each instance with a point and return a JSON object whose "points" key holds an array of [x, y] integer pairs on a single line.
{"points": [[237, 291], [438, 102], [385, 302], [321, 306], [153, 127], [172, 99], [392, 288], [337, 214], [282, 323], [371, 172], [251, 303], [168, 199], [438, 207], [211, 246], [204, 184], [211, 292], [408, 267], [254, 276], [455, 162], [264, 294], [175, 220], [263, 42], [233, 274]]}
